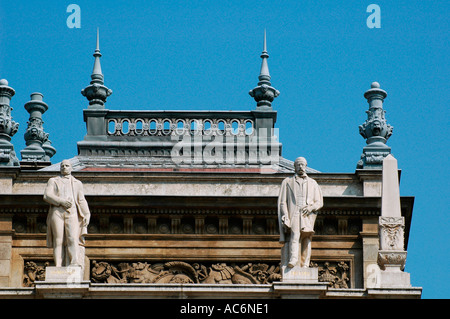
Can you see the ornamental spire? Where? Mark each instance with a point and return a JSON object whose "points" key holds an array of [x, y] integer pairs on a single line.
{"points": [[96, 93], [264, 93], [97, 76], [264, 76]]}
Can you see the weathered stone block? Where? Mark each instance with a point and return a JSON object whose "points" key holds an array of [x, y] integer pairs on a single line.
{"points": [[299, 274], [71, 274]]}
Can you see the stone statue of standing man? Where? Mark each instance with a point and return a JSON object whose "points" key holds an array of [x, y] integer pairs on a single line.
{"points": [[298, 202], [68, 217]]}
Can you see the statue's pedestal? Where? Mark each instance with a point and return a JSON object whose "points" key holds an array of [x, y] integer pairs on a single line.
{"points": [[299, 274], [70, 274], [62, 282], [298, 282]]}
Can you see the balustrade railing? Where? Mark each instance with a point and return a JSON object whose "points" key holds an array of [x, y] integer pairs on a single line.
{"points": [[178, 125], [178, 137]]}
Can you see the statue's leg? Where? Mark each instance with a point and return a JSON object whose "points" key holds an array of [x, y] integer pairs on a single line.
{"points": [[285, 251], [294, 242], [57, 226], [306, 239], [306, 250], [72, 235]]}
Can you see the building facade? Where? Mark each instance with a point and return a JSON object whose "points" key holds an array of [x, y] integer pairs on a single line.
{"points": [[184, 204]]}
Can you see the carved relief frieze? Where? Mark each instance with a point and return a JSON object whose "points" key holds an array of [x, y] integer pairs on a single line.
{"points": [[183, 272], [33, 271], [337, 273], [391, 258]]}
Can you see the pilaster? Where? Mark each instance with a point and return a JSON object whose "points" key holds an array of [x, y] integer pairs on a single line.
{"points": [[370, 241], [6, 233]]}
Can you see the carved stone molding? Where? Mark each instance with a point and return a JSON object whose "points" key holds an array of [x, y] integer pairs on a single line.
{"points": [[391, 258], [188, 221]]}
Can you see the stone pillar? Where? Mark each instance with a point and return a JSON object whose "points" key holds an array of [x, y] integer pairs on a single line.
{"points": [[391, 255], [96, 124], [7, 126], [369, 236]]}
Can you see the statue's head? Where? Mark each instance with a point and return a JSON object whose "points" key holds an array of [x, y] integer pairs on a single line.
{"points": [[66, 167], [300, 165]]}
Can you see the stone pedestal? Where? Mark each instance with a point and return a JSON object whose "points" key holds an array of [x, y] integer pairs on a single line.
{"points": [[298, 282], [392, 275], [71, 274], [63, 282], [299, 274]]}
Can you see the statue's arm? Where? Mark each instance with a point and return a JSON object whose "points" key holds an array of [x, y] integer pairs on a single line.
{"points": [[318, 199], [50, 195], [282, 204], [82, 202]]}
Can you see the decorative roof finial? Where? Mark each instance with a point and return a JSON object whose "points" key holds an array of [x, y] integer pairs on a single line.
{"points": [[97, 76], [35, 135], [97, 93], [39, 147], [7, 126], [375, 130], [264, 76], [264, 93]]}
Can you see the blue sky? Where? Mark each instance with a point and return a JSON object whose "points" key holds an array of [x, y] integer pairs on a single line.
{"points": [[204, 55]]}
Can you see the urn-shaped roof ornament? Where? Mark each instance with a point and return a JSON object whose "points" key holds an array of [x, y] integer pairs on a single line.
{"points": [[264, 93], [97, 92], [375, 129], [8, 127], [35, 137]]}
